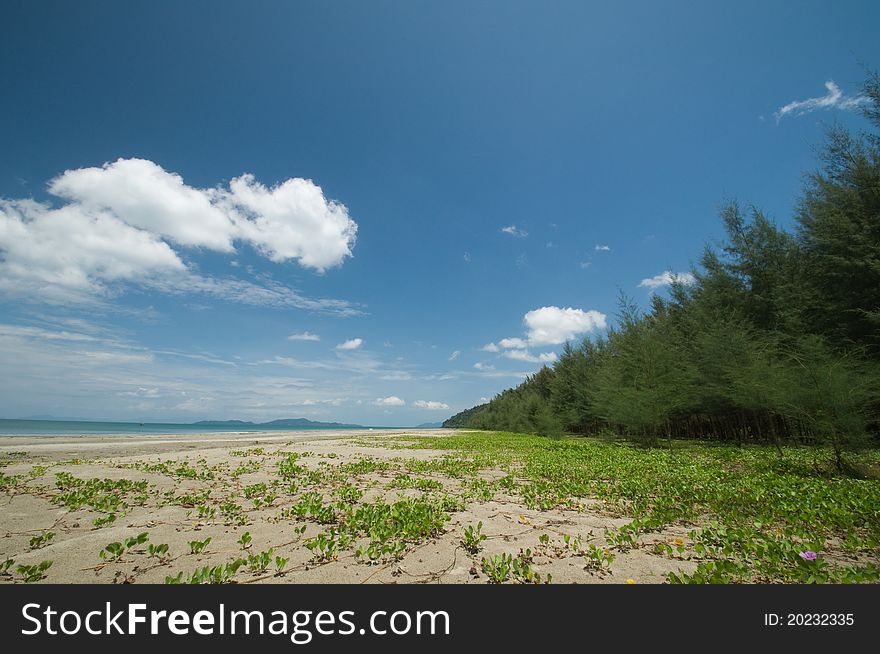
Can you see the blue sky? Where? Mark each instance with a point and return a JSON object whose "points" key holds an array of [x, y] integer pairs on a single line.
{"points": [[395, 185]]}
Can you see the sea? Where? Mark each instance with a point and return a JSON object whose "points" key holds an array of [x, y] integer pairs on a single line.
{"points": [[83, 427]]}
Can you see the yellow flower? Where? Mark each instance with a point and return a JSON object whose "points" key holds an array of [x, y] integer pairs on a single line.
{"points": [[679, 541], [630, 581], [524, 520]]}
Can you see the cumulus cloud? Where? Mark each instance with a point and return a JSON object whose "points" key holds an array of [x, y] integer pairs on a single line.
{"points": [[603, 248], [304, 336], [513, 230], [350, 344], [391, 400], [290, 221], [554, 326], [69, 251], [666, 278], [130, 221], [430, 405], [545, 327], [515, 343], [833, 99], [525, 355], [483, 366]]}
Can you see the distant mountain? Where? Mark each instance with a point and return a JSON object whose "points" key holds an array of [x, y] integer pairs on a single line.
{"points": [[283, 422], [224, 422], [429, 425]]}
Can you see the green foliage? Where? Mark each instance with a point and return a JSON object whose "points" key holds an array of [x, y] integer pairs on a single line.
{"points": [[114, 550], [774, 338], [103, 521], [105, 495], [598, 559], [259, 563], [43, 539], [405, 481], [218, 574], [325, 546], [255, 490], [32, 573], [196, 546], [517, 569], [472, 538], [760, 506], [158, 551], [140, 539]]}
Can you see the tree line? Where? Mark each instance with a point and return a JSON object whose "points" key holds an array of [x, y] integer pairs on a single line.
{"points": [[776, 340]]}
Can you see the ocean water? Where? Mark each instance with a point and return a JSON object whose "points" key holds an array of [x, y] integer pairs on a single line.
{"points": [[75, 427]]}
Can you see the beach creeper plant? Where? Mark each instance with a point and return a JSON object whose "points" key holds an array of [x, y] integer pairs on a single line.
{"points": [[259, 563], [32, 573], [103, 521], [218, 574], [140, 539], [517, 569], [598, 559], [43, 539], [113, 550], [158, 551], [472, 538], [196, 546]]}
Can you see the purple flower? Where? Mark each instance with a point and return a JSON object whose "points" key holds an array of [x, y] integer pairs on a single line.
{"points": [[808, 555]]}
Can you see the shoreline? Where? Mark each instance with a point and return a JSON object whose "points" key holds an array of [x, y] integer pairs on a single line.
{"points": [[57, 443]]}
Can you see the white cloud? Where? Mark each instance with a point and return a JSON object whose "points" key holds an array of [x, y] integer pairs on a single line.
{"points": [[525, 355], [512, 343], [834, 99], [513, 230], [546, 326], [484, 366], [291, 221], [268, 293], [305, 336], [666, 278], [397, 375], [430, 405], [143, 195], [467, 257], [125, 222], [603, 248], [350, 344], [553, 326], [67, 251], [454, 355], [391, 400]]}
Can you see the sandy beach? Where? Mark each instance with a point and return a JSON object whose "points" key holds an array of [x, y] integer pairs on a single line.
{"points": [[286, 491]]}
